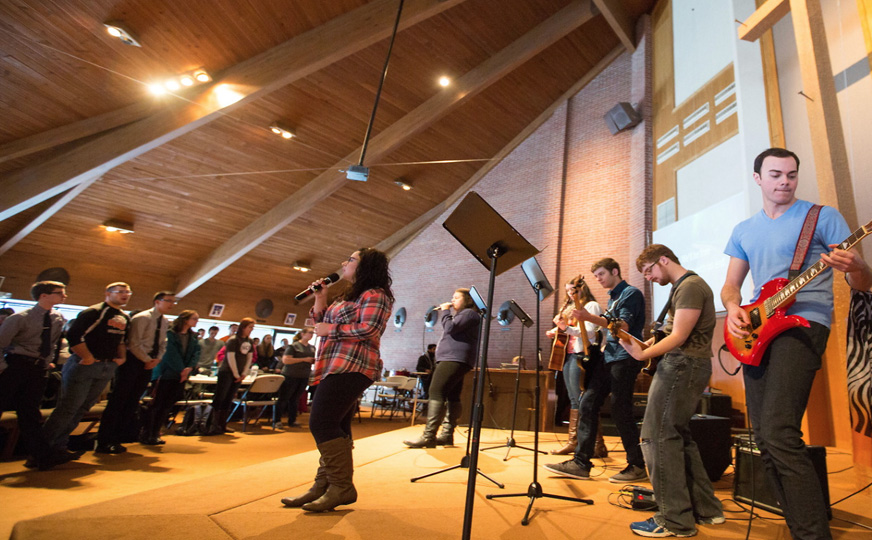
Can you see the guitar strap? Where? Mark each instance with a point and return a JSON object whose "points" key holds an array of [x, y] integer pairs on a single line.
{"points": [[660, 318], [804, 242]]}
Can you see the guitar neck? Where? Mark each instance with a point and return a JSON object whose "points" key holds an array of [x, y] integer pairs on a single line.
{"points": [[621, 334], [795, 285]]}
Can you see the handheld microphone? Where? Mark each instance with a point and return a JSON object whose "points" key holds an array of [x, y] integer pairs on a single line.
{"points": [[332, 278]]}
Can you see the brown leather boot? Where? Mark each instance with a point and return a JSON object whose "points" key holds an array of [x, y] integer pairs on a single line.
{"points": [[600, 450], [339, 465], [317, 489], [569, 448]]}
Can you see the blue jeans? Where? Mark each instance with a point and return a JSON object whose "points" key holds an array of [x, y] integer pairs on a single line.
{"points": [[681, 485], [572, 379], [777, 394], [81, 387], [616, 379]]}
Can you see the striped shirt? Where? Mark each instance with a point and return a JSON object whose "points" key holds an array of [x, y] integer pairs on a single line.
{"points": [[353, 344]]}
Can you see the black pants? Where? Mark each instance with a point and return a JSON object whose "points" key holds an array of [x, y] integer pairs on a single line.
{"points": [[118, 423], [166, 393], [334, 405], [225, 390], [447, 382], [22, 384], [289, 397]]}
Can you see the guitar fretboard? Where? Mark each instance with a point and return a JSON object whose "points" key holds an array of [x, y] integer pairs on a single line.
{"points": [[795, 285]]}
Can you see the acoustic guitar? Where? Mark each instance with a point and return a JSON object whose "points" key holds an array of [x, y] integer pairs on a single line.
{"points": [[614, 326], [768, 315]]}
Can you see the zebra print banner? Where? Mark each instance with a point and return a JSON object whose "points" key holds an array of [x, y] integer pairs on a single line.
{"points": [[860, 362]]}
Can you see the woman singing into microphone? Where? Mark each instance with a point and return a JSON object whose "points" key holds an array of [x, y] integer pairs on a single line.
{"points": [[346, 363], [455, 356]]}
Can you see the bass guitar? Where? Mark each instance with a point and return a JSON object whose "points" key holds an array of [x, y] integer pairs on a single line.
{"points": [[768, 315], [615, 329]]}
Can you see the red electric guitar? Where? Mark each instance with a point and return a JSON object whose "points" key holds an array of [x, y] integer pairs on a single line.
{"points": [[768, 314]]}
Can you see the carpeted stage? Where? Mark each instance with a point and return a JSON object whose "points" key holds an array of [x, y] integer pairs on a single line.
{"points": [[244, 503]]}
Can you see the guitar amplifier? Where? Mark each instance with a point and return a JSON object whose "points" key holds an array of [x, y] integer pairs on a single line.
{"points": [[751, 485]]}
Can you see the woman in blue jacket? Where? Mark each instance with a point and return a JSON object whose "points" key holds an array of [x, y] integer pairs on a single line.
{"points": [[169, 376]]}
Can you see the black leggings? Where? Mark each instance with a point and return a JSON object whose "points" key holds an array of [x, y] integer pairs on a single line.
{"points": [[334, 405], [225, 390], [447, 383]]}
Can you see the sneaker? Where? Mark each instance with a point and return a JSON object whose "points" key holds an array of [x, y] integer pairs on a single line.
{"points": [[629, 474], [570, 469], [278, 425], [650, 529], [714, 520]]}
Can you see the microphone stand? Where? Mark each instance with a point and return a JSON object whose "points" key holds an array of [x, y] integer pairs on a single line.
{"points": [[510, 441], [534, 490]]}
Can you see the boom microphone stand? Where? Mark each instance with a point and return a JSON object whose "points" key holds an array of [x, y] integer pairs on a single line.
{"points": [[510, 441], [534, 491], [464, 461]]}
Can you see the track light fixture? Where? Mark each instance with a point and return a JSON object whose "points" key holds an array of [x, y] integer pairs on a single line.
{"points": [[403, 184], [281, 130], [117, 29], [116, 225], [301, 267], [184, 80]]}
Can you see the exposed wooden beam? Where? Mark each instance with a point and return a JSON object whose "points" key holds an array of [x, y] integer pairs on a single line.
{"points": [[243, 83], [75, 131], [464, 88], [403, 237], [61, 201], [763, 19], [622, 25]]}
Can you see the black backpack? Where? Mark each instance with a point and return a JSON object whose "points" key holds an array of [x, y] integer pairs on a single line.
{"points": [[196, 421]]}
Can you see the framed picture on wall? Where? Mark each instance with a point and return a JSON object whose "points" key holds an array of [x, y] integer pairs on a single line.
{"points": [[290, 319], [216, 310], [310, 322]]}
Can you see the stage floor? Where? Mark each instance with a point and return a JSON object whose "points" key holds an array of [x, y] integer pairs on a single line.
{"points": [[244, 503]]}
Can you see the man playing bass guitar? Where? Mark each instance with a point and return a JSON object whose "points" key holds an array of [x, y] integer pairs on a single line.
{"points": [[777, 389], [681, 484]]}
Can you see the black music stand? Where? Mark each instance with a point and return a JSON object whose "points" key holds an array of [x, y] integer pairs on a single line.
{"points": [[498, 247], [464, 461], [542, 289], [526, 322]]}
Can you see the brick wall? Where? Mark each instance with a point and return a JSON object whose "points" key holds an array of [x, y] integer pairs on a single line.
{"points": [[572, 189]]}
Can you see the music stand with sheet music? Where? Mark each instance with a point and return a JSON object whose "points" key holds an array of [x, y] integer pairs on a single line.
{"points": [[542, 289], [464, 461], [526, 322], [498, 247]]}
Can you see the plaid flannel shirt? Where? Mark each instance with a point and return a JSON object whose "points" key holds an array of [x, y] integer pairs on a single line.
{"points": [[353, 344]]}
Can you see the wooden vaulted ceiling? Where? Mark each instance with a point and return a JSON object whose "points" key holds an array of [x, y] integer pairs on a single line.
{"points": [[213, 194]]}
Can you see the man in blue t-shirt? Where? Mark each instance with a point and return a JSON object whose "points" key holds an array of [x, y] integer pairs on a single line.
{"points": [[777, 390]]}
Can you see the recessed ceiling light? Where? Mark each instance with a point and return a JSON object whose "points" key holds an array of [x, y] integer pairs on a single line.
{"points": [[118, 30], [403, 184], [186, 80], [282, 130], [157, 89], [116, 225], [172, 85], [444, 81]]}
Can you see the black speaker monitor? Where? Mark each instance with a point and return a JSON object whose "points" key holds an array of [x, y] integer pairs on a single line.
{"points": [[622, 116]]}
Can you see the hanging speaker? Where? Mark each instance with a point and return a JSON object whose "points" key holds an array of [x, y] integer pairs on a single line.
{"points": [[55, 274], [430, 317], [264, 308], [622, 116], [400, 317], [505, 315]]}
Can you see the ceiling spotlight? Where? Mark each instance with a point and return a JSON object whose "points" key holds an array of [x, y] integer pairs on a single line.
{"points": [[117, 29], [116, 225], [301, 267], [186, 80], [280, 129], [172, 85], [444, 81], [202, 76], [403, 184], [157, 89]]}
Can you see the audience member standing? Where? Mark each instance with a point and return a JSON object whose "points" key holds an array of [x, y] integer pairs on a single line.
{"points": [[96, 339], [29, 339], [297, 363], [237, 361], [233, 329], [146, 343], [180, 358], [265, 353], [209, 348]]}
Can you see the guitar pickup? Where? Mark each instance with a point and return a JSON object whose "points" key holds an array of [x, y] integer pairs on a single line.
{"points": [[755, 317]]}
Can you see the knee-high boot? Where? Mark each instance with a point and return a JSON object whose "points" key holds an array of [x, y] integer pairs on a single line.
{"points": [[600, 450], [435, 412], [572, 443], [446, 437], [339, 468], [317, 489]]}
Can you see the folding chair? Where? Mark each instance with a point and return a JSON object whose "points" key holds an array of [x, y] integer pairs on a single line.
{"points": [[387, 397], [262, 392]]}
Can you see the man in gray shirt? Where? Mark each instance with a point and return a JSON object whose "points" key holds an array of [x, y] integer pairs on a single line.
{"points": [[209, 348], [29, 341]]}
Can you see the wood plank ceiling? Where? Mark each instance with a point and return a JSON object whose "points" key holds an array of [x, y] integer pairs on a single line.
{"points": [[74, 98]]}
